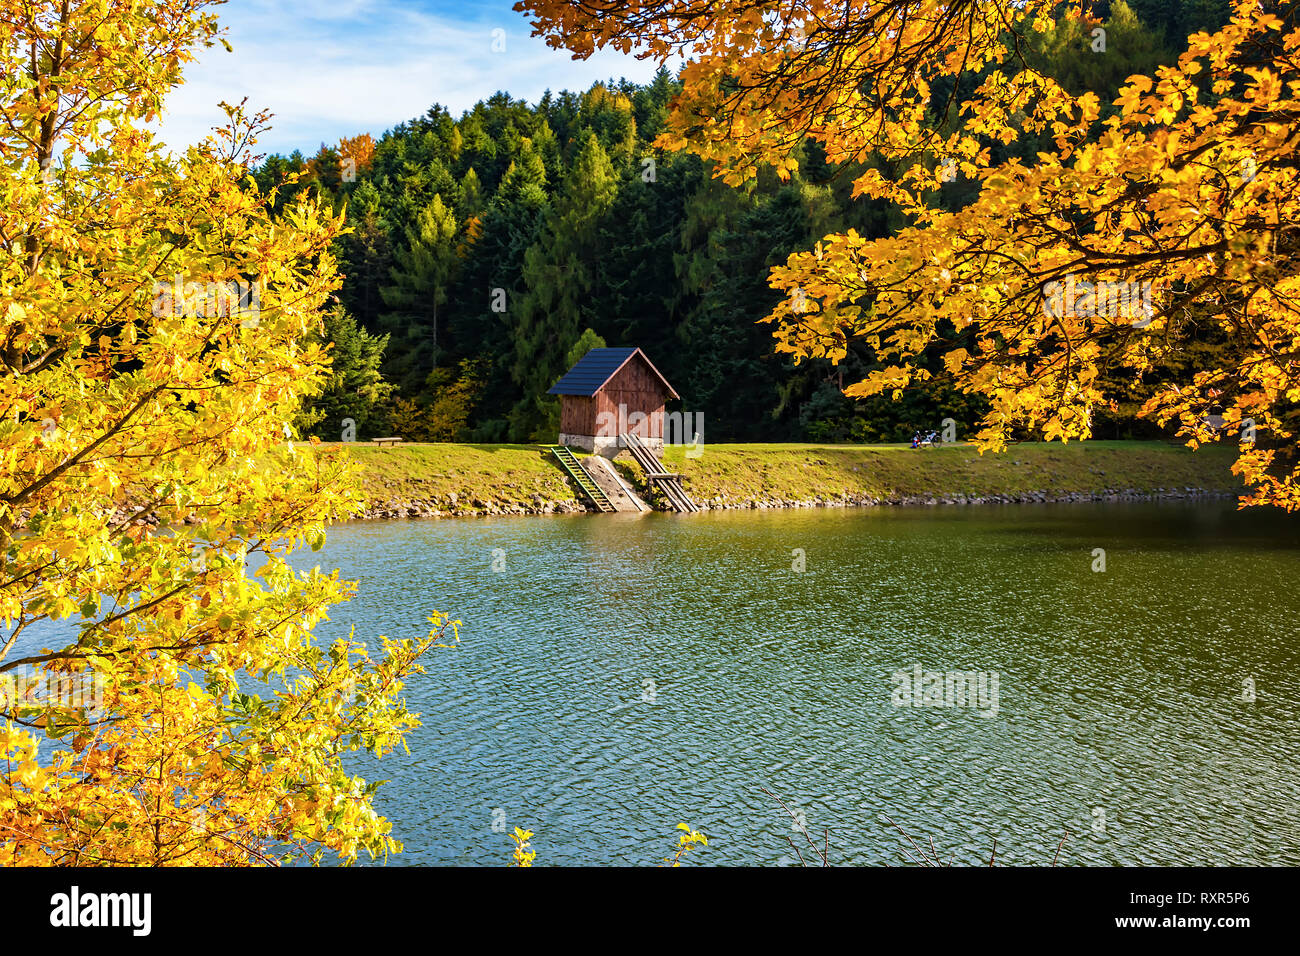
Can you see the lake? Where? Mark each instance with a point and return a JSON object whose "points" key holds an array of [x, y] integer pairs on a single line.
{"points": [[621, 674]]}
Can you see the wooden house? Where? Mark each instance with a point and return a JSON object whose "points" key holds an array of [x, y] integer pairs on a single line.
{"points": [[610, 392]]}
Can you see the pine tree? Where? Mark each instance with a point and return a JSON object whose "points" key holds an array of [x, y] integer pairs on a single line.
{"points": [[636, 300], [559, 272], [471, 191], [367, 255], [355, 388], [420, 279], [493, 279]]}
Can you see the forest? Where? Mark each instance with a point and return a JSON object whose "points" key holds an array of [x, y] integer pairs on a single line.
{"points": [[486, 253]]}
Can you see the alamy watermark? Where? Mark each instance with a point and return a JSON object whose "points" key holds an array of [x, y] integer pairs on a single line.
{"points": [[209, 300], [74, 909], [1104, 299], [679, 428], [922, 688], [25, 688]]}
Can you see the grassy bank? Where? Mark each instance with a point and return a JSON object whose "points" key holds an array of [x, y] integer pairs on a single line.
{"points": [[463, 479], [894, 472], [420, 479]]}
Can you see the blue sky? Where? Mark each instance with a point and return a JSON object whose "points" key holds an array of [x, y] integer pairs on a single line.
{"points": [[331, 68]]}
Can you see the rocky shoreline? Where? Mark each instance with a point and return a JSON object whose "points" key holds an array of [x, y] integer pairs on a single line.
{"points": [[454, 507]]}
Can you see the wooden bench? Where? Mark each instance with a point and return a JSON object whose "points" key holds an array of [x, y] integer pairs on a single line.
{"points": [[391, 440]]}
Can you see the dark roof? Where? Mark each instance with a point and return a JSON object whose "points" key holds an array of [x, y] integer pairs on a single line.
{"points": [[596, 368]]}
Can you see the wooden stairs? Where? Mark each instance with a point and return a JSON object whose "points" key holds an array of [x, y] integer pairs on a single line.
{"points": [[652, 467], [569, 462]]}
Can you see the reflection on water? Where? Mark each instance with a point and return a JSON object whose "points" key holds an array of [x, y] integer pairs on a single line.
{"points": [[621, 674]]}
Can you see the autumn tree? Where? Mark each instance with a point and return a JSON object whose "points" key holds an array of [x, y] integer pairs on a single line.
{"points": [[157, 332], [1126, 237], [356, 154], [455, 392]]}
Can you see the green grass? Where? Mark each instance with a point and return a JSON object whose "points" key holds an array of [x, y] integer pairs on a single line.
{"points": [[504, 474], [803, 472], [519, 474]]}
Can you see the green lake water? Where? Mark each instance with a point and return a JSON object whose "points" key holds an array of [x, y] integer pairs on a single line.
{"points": [[621, 674]]}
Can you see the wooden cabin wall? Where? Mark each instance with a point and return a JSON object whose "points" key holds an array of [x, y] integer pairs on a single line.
{"points": [[577, 415], [641, 391]]}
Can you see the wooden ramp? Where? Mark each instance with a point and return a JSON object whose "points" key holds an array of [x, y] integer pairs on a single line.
{"points": [[569, 462], [602, 472], [652, 467]]}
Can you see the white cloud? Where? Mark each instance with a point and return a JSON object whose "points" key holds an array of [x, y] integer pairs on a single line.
{"points": [[350, 66]]}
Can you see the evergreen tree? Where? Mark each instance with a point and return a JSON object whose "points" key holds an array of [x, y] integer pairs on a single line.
{"points": [[492, 286], [355, 387], [728, 369], [609, 115], [420, 279], [471, 192], [367, 256], [1071, 53], [637, 298], [559, 271]]}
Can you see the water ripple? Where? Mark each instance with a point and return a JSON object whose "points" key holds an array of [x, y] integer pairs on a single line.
{"points": [[619, 676]]}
